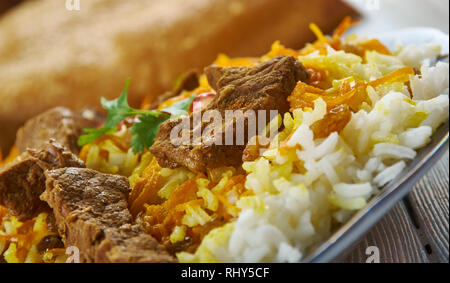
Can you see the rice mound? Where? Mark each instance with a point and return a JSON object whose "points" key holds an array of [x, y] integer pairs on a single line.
{"points": [[291, 212]]}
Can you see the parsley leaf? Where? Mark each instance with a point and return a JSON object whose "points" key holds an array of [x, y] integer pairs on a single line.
{"points": [[94, 134], [119, 109], [180, 108], [144, 131]]}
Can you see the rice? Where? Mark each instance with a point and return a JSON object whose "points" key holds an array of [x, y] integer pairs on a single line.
{"points": [[389, 173], [293, 209], [416, 138], [309, 180], [389, 150], [19, 240], [417, 56], [301, 188], [432, 82]]}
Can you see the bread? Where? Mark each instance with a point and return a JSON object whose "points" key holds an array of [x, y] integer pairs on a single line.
{"points": [[50, 56]]}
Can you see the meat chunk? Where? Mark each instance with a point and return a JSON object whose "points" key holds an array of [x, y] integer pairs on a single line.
{"points": [[91, 211], [60, 124], [264, 87], [23, 181]]}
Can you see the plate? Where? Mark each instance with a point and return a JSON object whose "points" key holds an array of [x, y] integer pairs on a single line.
{"points": [[350, 233]]}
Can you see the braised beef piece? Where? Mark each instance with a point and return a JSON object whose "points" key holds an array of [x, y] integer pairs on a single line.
{"points": [[51, 222], [188, 82], [91, 211], [264, 87], [23, 181], [60, 124]]}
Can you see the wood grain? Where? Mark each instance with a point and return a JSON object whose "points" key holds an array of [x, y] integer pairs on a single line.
{"points": [[429, 209], [396, 238], [417, 229]]}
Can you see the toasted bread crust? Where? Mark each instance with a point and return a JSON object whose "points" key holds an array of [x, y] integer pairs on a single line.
{"points": [[53, 57]]}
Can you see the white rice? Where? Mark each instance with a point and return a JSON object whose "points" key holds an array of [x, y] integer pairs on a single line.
{"points": [[291, 211], [388, 174]]}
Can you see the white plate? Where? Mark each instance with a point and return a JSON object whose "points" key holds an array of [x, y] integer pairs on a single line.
{"points": [[365, 219]]}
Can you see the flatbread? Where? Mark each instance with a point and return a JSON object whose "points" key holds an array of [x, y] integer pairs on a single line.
{"points": [[50, 56]]}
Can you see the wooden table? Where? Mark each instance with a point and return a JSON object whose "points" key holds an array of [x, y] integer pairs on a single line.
{"points": [[416, 230]]}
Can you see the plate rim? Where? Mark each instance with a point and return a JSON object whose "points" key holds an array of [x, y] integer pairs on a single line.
{"points": [[354, 229]]}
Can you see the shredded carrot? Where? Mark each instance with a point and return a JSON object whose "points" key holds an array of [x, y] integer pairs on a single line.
{"points": [[225, 202], [146, 189], [375, 45], [343, 27], [319, 34], [183, 206], [322, 43], [320, 47], [186, 192], [334, 121], [402, 75], [278, 49], [162, 218], [225, 61], [304, 95], [350, 93]]}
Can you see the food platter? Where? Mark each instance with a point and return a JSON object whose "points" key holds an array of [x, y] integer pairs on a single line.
{"points": [[340, 166]]}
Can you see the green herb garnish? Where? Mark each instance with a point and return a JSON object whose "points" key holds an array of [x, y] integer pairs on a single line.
{"points": [[143, 131], [94, 134]]}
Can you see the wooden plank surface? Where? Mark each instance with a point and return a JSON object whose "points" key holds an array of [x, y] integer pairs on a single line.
{"points": [[429, 209], [417, 229]]}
